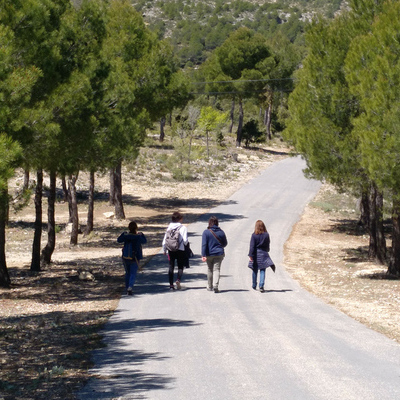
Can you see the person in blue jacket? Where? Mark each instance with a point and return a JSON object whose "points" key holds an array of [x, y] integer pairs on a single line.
{"points": [[131, 253], [259, 254], [212, 251]]}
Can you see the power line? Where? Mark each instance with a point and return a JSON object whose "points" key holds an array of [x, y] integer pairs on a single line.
{"points": [[245, 80], [246, 91]]}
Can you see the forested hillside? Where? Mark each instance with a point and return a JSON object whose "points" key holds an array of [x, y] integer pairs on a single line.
{"points": [[195, 28]]}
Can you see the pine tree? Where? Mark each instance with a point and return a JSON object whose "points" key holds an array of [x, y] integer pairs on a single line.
{"points": [[373, 72]]}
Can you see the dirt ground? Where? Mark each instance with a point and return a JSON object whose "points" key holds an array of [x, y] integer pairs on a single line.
{"points": [[49, 322], [327, 253]]}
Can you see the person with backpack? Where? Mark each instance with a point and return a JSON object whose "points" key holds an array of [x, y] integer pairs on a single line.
{"points": [[174, 242], [212, 251], [131, 254]]}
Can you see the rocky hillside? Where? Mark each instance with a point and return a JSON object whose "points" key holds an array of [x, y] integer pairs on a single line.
{"points": [[197, 27]]}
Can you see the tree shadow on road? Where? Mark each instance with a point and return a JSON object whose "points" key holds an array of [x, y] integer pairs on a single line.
{"points": [[117, 373]]}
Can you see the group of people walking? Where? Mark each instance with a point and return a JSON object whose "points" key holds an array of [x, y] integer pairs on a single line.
{"points": [[176, 246]]}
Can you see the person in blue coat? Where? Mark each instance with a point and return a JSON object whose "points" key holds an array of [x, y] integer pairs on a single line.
{"points": [[212, 250], [131, 253], [259, 254]]}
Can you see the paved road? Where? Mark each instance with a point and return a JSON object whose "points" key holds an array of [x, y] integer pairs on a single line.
{"points": [[242, 344]]}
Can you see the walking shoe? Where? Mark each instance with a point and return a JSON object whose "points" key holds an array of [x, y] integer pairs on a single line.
{"points": [[262, 289], [254, 287], [130, 291], [209, 289], [171, 287], [216, 290], [178, 285]]}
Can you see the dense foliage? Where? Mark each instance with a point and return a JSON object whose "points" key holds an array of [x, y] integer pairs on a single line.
{"points": [[344, 112], [82, 83]]}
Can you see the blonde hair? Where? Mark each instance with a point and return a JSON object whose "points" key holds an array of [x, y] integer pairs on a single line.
{"points": [[260, 227]]}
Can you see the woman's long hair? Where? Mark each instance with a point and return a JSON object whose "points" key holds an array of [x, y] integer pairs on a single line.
{"points": [[260, 227], [213, 221], [133, 227]]}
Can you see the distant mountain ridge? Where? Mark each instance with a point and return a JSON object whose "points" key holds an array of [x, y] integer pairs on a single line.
{"points": [[197, 27]]}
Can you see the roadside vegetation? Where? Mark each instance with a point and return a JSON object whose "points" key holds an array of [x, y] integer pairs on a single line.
{"points": [[343, 115]]}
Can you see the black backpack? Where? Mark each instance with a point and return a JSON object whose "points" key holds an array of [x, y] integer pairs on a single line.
{"points": [[172, 239]]}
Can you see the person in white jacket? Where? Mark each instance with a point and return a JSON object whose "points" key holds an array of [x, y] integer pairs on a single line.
{"points": [[178, 254]]}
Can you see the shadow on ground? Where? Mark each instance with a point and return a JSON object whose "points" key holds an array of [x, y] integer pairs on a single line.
{"points": [[122, 376]]}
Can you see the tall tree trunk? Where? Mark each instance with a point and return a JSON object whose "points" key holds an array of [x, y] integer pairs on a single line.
{"points": [[4, 276], [232, 116], [64, 189], [394, 266], [163, 120], [364, 210], [372, 250], [67, 197], [267, 118], [208, 147], [268, 112], [35, 264], [74, 205], [119, 206], [26, 179], [90, 214], [377, 242], [190, 148], [48, 250], [380, 230], [240, 125], [112, 187]]}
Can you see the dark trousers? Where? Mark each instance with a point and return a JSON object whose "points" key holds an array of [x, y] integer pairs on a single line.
{"points": [[179, 256]]}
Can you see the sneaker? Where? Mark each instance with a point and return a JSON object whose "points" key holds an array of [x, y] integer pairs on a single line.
{"points": [[171, 287], [178, 285], [262, 289], [130, 291], [254, 287], [209, 289], [216, 290]]}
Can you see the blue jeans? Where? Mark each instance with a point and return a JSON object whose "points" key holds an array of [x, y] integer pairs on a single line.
{"points": [[262, 277], [131, 269]]}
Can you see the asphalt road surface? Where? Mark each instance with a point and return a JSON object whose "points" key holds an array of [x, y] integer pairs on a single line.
{"points": [[240, 343]]}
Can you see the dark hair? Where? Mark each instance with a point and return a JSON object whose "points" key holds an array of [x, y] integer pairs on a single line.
{"points": [[260, 227], [133, 227], [176, 216], [212, 221]]}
